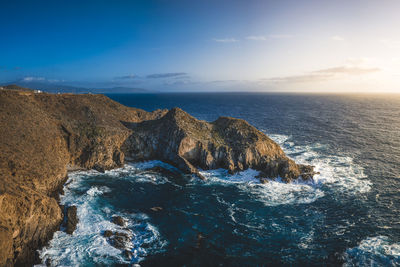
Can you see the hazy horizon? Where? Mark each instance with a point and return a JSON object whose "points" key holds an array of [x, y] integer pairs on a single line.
{"points": [[208, 46]]}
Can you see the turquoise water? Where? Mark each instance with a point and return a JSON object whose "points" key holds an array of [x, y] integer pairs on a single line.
{"points": [[348, 216]]}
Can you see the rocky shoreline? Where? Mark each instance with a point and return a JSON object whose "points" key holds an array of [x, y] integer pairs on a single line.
{"points": [[45, 135]]}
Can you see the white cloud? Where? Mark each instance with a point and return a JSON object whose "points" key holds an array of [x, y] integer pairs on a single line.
{"points": [[256, 38], [226, 40], [31, 79], [280, 36], [337, 38], [326, 74], [39, 79]]}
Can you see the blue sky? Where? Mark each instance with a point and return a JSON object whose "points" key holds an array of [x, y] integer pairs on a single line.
{"points": [[316, 46]]}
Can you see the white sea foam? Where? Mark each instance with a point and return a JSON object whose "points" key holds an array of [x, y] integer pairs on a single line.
{"points": [[96, 191], [87, 243], [374, 251], [138, 171], [271, 194], [335, 171]]}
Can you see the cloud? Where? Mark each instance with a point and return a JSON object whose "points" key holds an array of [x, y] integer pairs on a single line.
{"points": [[337, 38], [256, 38], [126, 77], [167, 75], [33, 79], [226, 40], [280, 36], [39, 79], [349, 70], [325, 74]]}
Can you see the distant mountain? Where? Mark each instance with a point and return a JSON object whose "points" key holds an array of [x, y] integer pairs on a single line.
{"points": [[52, 88], [14, 87], [59, 88]]}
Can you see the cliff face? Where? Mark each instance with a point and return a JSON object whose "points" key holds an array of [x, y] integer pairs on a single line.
{"points": [[41, 135], [228, 143]]}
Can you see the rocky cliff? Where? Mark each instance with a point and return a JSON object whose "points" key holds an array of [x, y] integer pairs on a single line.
{"points": [[228, 143], [41, 135]]}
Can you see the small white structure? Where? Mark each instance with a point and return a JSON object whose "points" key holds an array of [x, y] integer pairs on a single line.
{"points": [[37, 91]]}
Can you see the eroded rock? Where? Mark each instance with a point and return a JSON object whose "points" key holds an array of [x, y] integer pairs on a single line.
{"points": [[189, 144], [72, 219]]}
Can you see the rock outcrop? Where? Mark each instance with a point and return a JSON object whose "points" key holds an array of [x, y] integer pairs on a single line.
{"points": [[188, 144], [43, 134], [72, 219]]}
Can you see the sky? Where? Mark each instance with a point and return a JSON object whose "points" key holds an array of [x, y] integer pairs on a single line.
{"points": [[238, 45]]}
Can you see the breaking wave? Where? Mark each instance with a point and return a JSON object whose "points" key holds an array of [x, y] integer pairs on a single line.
{"points": [[336, 172], [87, 244], [374, 251]]}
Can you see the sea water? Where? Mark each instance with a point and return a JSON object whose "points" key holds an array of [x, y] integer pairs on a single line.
{"points": [[349, 214]]}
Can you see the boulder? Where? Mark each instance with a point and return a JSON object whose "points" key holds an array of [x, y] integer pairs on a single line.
{"points": [[107, 233], [118, 220]]}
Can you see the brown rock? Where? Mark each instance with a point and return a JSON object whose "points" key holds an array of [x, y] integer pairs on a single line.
{"points": [[120, 240], [72, 219], [188, 143], [118, 220], [107, 233]]}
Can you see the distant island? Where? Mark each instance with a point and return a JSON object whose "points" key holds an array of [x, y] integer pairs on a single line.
{"points": [[44, 135]]}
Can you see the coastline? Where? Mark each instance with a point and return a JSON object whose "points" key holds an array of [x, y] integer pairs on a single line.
{"points": [[51, 135]]}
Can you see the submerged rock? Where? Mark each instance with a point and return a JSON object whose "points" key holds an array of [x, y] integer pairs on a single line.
{"points": [[156, 208], [127, 254]]}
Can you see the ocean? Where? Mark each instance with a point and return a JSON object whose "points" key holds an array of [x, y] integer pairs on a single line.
{"points": [[348, 216]]}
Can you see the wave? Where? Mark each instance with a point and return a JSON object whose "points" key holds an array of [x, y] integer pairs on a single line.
{"points": [[336, 171], [87, 243], [275, 192], [374, 251]]}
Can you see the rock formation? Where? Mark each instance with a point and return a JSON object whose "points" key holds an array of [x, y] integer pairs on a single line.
{"points": [[188, 143], [41, 135], [72, 219]]}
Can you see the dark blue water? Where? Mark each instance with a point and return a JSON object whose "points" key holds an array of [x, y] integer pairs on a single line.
{"points": [[349, 215]]}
